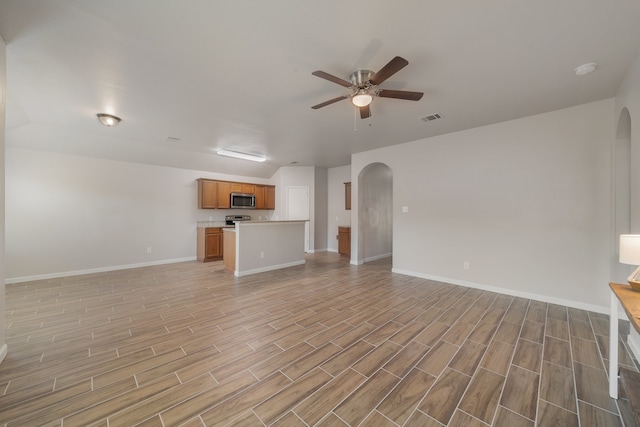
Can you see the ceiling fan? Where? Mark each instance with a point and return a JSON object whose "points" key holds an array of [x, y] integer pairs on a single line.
{"points": [[364, 86]]}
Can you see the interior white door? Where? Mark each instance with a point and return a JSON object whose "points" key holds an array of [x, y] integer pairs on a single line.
{"points": [[298, 208]]}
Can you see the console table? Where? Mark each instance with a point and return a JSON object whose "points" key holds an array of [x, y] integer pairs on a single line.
{"points": [[630, 301]]}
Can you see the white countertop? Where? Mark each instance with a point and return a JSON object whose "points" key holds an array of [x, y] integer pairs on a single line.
{"points": [[284, 221], [211, 224]]}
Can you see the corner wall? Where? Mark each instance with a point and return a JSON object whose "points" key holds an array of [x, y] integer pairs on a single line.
{"points": [[3, 90], [321, 210], [70, 214], [628, 97], [525, 202]]}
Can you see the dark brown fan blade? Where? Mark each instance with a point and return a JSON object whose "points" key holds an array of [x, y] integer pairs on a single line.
{"points": [[331, 101], [392, 67], [365, 112], [400, 94], [331, 78]]}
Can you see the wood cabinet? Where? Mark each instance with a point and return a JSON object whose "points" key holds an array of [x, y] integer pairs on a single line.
{"points": [[259, 192], [209, 244], [243, 187], [214, 194], [207, 194], [236, 187], [224, 195], [344, 241], [265, 197], [347, 196], [270, 197]]}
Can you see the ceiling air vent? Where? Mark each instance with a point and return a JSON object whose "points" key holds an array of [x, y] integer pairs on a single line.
{"points": [[431, 117]]}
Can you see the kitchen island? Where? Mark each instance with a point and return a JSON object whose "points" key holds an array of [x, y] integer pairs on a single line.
{"points": [[257, 246]]}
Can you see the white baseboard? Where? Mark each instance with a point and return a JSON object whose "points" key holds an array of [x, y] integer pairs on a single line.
{"points": [[315, 251], [269, 268], [377, 257], [537, 297], [94, 270], [3, 352]]}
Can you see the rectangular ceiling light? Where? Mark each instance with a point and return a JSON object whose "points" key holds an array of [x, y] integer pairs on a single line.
{"points": [[243, 156]]}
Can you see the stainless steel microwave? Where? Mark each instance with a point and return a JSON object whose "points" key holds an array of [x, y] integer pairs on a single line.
{"points": [[243, 201]]}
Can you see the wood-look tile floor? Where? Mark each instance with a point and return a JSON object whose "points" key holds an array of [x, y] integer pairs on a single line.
{"points": [[326, 344]]}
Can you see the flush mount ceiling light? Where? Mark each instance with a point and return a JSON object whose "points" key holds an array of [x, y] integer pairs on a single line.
{"points": [[108, 119], [244, 156], [585, 69]]}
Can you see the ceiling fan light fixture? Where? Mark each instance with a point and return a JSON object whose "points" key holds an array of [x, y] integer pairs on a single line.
{"points": [[361, 99], [243, 156], [108, 119]]}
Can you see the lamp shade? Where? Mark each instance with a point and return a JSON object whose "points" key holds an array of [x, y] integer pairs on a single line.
{"points": [[630, 249]]}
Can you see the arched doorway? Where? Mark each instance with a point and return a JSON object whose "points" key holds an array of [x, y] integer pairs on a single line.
{"points": [[622, 193], [375, 213]]}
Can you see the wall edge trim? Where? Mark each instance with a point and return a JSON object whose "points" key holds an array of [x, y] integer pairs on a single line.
{"points": [[528, 295], [58, 275]]}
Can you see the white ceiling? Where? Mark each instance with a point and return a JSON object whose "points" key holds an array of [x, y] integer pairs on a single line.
{"points": [[236, 74]]}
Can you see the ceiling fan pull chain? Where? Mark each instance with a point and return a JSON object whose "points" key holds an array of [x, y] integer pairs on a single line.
{"points": [[355, 118]]}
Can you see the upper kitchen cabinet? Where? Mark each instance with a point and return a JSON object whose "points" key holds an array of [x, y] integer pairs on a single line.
{"points": [[270, 197], [217, 194], [265, 197], [259, 196], [224, 195], [347, 196], [243, 187], [207, 194]]}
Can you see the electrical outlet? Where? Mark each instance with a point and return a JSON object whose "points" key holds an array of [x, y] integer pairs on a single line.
{"points": [[465, 265], [405, 209], [262, 254], [149, 249]]}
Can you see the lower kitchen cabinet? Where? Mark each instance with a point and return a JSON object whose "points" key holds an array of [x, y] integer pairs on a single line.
{"points": [[344, 241], [209, 244]]}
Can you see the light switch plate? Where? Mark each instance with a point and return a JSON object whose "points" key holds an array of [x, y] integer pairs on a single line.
{"points": [[405, 209]]}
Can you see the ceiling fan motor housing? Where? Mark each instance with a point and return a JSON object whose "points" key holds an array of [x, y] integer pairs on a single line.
{"points": [[360, 78]]}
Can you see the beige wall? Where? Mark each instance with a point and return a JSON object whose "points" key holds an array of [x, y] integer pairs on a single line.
{"points": [[106, 213], [526, 202], [3, 86], [375, 215], [628, 102]]}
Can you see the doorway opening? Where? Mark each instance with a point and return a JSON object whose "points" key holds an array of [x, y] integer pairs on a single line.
{"points": [[375, 214]]}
